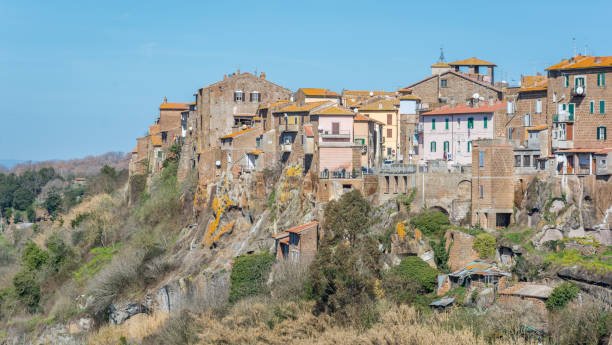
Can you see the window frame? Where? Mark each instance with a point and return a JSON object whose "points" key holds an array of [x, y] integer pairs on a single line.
{"points": [[481, 159], [432, 146], [236, 93], [433, 124], [470, 124], [592, 107], [566, 80], [446, 146], [602, 106], [599, 133], [446, 122]]}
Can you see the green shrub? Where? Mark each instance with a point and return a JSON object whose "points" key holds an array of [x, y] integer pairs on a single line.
{"points": [[410, 279], [31, 214], [249, 275], [441, 254], [484, 245], [60, 252], [33, 257], [53, 202], [101, 256], [561, 296], [27, 288], [431, 223], [348, 217], [79, 219]]}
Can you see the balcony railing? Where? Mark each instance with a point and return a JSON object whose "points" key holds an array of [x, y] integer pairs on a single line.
{"points": [[286, 147], [287, 127], [344, 134], [340, 174], [564, 117], [419, 127], [579, 91], [397, 168]]}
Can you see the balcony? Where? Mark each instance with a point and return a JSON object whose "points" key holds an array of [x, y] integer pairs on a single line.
{"points": [[397, 168], [563, 117], [286, 127], [286, 147], [579, 91], [419, 127], [343, 134]]}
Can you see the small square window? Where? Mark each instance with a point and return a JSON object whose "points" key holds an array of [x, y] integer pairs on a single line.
{"points": [[443, 83]]}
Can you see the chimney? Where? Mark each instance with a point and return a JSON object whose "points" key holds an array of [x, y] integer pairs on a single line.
{"points": [[262, 76], [224, 76], [165, 100], [238, 72]]}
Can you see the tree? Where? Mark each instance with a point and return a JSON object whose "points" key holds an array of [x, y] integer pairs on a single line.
{"points": [[561, 296], [31, 214], [347, 219], [53, 202], [22, 198], [27, 288], [411, 278], [431, 223], [33, 256], [485, 245]]}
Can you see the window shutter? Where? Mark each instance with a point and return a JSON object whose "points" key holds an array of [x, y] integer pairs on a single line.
{"points": [[598, 79], [469, 146], [605, 135], [592, 107], [446, 124], [539, 106], [433, 123], [603, 79], [602, 107], [485, 122]]}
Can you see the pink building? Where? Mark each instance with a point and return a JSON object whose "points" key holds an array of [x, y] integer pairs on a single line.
{"points": [[448, 132], [335, 126]]}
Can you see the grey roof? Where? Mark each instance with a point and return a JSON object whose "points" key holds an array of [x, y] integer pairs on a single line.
{"points": [[444, 302], [531, 290]]}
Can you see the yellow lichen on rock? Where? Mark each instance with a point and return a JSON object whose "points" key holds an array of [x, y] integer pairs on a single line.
{"points": [[295, 171], [400, 227], [219, 205]]}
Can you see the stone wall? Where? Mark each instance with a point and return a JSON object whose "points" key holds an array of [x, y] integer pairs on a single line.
{"points": [[461, 251]]}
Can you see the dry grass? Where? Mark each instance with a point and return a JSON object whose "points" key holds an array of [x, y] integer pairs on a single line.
{"points": [[134, 330], [88, 205], [250, 324]]}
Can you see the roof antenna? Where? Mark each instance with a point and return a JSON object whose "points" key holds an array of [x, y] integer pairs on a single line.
{"points": [[574, 43], [586, 49], [441, 54]]}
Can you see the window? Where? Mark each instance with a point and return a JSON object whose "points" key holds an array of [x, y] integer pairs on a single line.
{"points": [[389, 132], [238, 96], [446, 146], [566, 80], [433, 123], [485, 122], [601, 133], [159, 154], [535, 160], [571, 108], [432, 146], [602, 107], [336, 128], [526, 120], [538, 106], [443, 83], [601, 79], [388, 151], [579, 81], [510, 107], [458, 123], [592, 107], [481, 159], [510, 130], [470, 122], [526, 160], [255, 97], [481, 191], [469, 146], [389, 119], [446, 124], [517, 161]]}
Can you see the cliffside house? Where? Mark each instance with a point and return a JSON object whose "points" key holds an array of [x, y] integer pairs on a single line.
{"points": [[386, 111], [297, 243]]}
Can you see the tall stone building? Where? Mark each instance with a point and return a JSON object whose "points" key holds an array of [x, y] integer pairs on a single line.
{"points": [[239, 93], [448, 84], [492, 183]]}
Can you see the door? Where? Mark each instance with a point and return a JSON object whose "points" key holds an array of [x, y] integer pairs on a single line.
{"points": [[335, 127], [569, 131], [570, 164]]}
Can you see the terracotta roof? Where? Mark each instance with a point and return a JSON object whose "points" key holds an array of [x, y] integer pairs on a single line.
{"points": [[365, 93], [277, 103], [582, 62], [318, 92], [236, 133], [533, 89], [281, 234], [596, 150], [192, 103], [409, 97], [284, 240], [308, 131], [440, 64], [472, 62], [387, 105], [405, 90], [333, 110], [244, 115], [362, 118], [294, 108], [300, 228], [537, 128], [465, 109], [174, 106], [156, 140], [528, 290], [460, 75], [154, 129], [256, 152]]}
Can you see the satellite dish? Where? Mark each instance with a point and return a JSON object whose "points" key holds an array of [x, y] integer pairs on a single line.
{"points": [[475, 96], [371, 93], [579, 90], [285, 114], [355, 110]]}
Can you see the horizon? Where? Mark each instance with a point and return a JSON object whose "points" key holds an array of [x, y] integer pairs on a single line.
{"points": [[83, 80]]}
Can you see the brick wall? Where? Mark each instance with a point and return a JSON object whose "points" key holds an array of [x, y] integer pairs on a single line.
{"points": [[461, 251]]}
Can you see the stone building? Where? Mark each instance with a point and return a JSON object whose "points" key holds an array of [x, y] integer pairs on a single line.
{"points": [[240, 149], [355, 98], [492, 183], [526, 109], [298, 243], [448, 84], [579, 100], [170, 122], [239, 93], [409, 128], [368, 134]]}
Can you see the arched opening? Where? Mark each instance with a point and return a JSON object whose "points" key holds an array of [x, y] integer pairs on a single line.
{"points": [[438, 208]]}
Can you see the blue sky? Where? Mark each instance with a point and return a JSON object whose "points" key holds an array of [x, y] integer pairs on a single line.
{"points": [[84, 77]]}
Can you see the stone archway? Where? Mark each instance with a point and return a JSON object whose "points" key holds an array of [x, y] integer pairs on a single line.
{"points": [[464, 190], [439, 208]]}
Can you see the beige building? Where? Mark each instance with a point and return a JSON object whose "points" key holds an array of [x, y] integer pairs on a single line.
{"points": [[368, 134], [309, 95], [386, 111]]}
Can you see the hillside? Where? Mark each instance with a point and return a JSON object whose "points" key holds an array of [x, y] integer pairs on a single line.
{"points": [[159, 260], [86, 166]]}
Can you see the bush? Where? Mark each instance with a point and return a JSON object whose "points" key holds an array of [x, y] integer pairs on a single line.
{"points": [[412, 277], [484, 245], [79, 219], [347, 218], [432, 223], [561, 296], [60, 252], [31, 214], [441, 254], [27, 288], [180, 328], [529, 268], [33, 257], [249, 275], [53, 202], [581, 324]]}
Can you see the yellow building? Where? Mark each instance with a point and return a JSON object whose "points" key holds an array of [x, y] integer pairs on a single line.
{"points": [[386, 111]]}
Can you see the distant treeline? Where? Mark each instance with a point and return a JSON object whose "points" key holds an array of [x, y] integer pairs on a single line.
{"points": [[87, 166]]}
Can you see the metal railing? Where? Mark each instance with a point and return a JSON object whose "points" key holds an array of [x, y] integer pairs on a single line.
{"points": [[564, 117], [397, 168], [340, 174]]}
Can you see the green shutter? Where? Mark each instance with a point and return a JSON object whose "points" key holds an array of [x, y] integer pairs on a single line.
{"points": [[564, 106], [433, 123], [446, 124], [592, 107], [432, 146], [485, 122], [566, 81], [446, 146], [571, 108], [469, 146], [603, 79], [602, 107], [470, 122], [598, 79]]}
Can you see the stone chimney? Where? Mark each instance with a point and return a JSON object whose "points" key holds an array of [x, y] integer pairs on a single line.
{"points": [[165, 100], [224, 76], [262, 76]]}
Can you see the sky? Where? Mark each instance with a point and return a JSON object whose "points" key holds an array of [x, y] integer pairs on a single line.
{"points": [[81, 78]]}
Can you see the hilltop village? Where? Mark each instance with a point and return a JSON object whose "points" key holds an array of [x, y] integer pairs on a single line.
{"points": [[467, 144]]}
